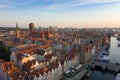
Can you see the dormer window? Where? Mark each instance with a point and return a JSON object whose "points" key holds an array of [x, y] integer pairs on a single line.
{"points": [[10, 66]]}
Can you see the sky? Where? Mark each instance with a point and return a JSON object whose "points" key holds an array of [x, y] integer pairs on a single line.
{"points": [[61, 13]]}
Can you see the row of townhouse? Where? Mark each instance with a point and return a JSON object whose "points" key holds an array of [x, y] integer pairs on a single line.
{"points": [[51, 72], [39, 62]]}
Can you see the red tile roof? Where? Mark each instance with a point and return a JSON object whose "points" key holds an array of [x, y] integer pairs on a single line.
{"points": [[54, 65], [33, 38], [10, 68], [48, 56], [29, 65], [39, 52], [45, 46]]}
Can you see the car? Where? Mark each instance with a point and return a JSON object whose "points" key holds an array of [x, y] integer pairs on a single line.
{"points": [[68, 74], [78, 68], [73, 73], [72, 68]]}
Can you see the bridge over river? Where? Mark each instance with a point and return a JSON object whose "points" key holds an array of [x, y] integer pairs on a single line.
{"points": [[109, 66], [104, 65]]}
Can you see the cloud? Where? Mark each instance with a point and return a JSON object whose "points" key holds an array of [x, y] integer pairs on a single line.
{"points": [[17, 3], [50, 4], [77, 3], [3, 6]]}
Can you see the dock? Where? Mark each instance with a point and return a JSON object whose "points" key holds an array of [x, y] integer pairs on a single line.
{"points": [[110, 66], [93, 62], [89, 73], [79, 76], [104, 65]]}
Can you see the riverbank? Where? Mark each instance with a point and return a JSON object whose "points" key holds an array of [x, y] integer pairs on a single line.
{"points": [[114, 50], [99, 74]]}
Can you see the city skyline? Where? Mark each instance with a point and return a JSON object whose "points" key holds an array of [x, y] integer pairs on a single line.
{"points": [[65, 13]]}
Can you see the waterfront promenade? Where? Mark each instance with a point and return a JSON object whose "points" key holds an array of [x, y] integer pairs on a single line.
{"points": [[95, 56], [90, 62], [79, 76], [110, 66], [93, 62], [83, 72], [104, 65]]}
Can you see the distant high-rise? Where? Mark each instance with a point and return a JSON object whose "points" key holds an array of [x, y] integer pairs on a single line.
{"points": [[40, 29], [31, 27]]}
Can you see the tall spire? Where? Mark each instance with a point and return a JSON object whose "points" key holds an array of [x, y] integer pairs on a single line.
{"points": [[17, 31], [16, 25]]}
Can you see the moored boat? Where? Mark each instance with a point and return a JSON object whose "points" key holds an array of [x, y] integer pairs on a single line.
{"points": [[119, 44], [104, 58], [117, 77]]}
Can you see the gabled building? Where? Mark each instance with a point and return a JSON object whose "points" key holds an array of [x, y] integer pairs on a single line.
{"points": [[7, 69], [85, 53]]}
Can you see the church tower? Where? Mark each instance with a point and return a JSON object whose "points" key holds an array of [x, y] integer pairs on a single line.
{"points": [[31, 27], [17, 31]]}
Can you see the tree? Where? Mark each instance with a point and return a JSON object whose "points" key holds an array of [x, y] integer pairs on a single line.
{"points": [[8, 53], [5, 53]]}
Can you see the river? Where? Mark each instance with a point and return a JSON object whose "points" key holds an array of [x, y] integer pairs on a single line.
{"points": [[101, 75], [114, 51], [114, 58]]}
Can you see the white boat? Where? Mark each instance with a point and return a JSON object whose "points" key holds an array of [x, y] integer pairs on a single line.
{"points": [[104, 58], [118, 44], [118, 37], [117, 77]]}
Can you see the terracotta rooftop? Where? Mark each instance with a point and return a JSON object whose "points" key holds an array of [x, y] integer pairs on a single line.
{"points": [[31, 74], [44, 46], [45, 69], [29, 65], [10, 68], [40, 52], [48, 56], [25, 47], [33, 38], [71, 54]]}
